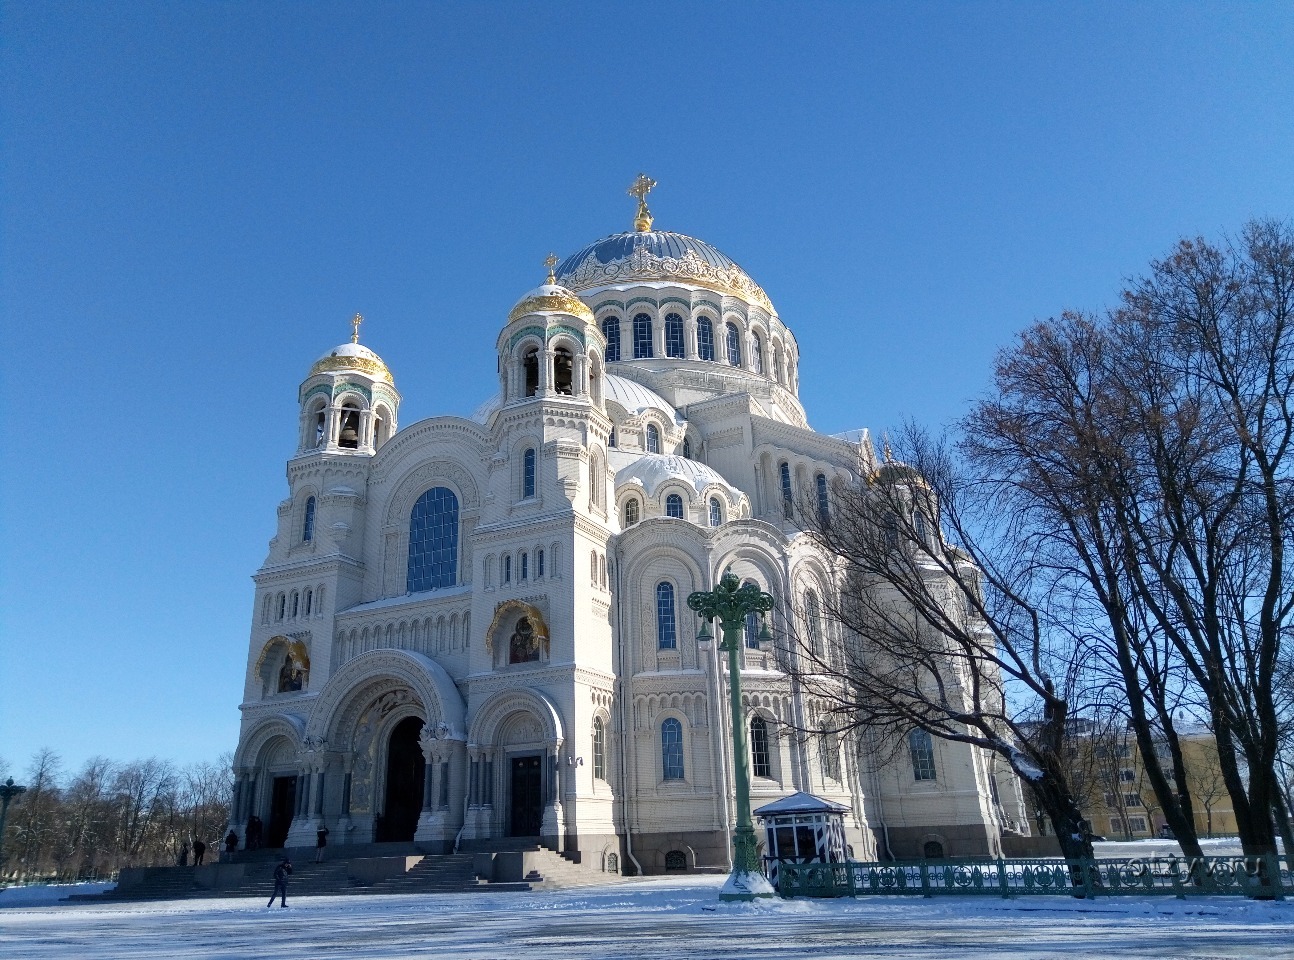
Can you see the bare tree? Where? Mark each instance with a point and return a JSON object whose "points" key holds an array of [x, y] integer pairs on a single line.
{"points": [[937, 629]]}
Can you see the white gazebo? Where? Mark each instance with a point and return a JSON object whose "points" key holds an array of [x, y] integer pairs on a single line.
{"points": [[802, 828]]}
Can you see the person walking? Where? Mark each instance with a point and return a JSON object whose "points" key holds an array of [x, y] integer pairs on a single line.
{"points": [[321, 841], [281, 883], [199, 851], [231, 841]]}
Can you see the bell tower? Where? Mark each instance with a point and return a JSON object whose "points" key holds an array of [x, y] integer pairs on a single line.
{"points": [[348, 402]]}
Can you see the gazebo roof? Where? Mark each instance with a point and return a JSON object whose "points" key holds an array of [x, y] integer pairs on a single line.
{"points": [[799, 803]]}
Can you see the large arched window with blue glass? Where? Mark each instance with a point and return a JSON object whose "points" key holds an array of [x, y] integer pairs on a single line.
{"points": [[705, 339], [611, 330], [308, 528], [666, 632], [674, 335], [734, 345], [642, 336], [671, 749], [433, 541], [674, 506]]}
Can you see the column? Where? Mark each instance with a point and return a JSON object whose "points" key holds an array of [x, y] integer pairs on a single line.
{"points": [[546, 372], [689, 336], [658, 336], [319, 793], [345, 795]]}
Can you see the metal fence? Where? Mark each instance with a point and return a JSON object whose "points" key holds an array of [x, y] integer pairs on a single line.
{"points": [[1147, 876]]}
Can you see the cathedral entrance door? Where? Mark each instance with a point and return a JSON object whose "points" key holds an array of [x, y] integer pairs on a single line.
{"points": [[527, 797], [404, 773], [283, 800]]}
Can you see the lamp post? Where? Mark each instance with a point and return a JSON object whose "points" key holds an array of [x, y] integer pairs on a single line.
{"points": [[8, 790], [730, 602]]}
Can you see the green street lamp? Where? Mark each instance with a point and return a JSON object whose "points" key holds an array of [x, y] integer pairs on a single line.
{"points": [[7, 792], [730, 603]]}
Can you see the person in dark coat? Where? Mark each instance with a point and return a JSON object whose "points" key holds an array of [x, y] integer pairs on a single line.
{"points": [[254, 833], [321, 841], [231, 841], [281, 883], [199, 851]]}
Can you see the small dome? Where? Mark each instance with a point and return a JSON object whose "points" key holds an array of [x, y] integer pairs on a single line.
{"points": [[635, 398], [658, 255], [650, 470], [353, 357], [551, 298]]}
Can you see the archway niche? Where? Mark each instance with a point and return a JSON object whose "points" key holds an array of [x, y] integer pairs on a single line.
{"points": [[405, 768]]}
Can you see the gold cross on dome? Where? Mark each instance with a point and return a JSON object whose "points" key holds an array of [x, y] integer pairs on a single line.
{"points": [[354, 337], [640, 188], [550, 261]]}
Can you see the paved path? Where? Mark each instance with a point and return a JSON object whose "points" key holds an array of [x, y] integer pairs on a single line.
{"points": [[656, 918]]}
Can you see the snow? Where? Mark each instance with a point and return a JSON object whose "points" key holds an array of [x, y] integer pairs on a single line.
{"points": [[1024, 766], [739, 885], [669, 917]]}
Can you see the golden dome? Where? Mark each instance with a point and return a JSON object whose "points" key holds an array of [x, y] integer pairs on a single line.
{"points": [[551, 298], [353, 357]]}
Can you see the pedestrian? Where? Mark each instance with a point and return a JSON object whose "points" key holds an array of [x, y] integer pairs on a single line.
{"points": [[183, 858], [199, 851], [321, 841], [281, 883], [231, 841]]}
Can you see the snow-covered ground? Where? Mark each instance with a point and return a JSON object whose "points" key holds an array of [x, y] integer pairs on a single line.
{"points": [[656, 918]]}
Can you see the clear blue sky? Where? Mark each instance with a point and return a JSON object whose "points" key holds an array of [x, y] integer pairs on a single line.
{"points": [[197, 196]]}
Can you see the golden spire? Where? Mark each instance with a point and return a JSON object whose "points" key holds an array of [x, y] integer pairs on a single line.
{"points": [[354, 337], [889, 454], [550, 262], [641, 187]]}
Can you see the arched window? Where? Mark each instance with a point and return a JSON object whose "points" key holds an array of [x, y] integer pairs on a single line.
{"points": [[528, 474], [321, 426], [308, 528], [922, 749], [734, 345], [666, 635], [525, 566], [757, 356], [599, 750], [283, 605], [674, 506], [507, 569], [611, 330], [919, 527], [751, 630], [760, 765], [563, 372], [602, 570], [705, 339], [716, 512], [642, 336], [310, 595], [593, 567], [296, 604], [348, 434], [631, 512], [653, 439], [613, 863], [539, 563], [829, 751], [674, 335], [433, 541], [933, 850], [611, 440], [531, 364], [785, 471], [824, 507], [687, 448], [890, 531], [671, 749], [812, 622], [597, 481], [675, 860]]}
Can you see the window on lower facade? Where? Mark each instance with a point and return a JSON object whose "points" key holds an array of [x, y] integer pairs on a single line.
{"points": [[760, 765], [611, 330], [599, 749], [784, 472], [308, 528], [671, 749], [528, 474], [716, 512], [922, 749], [705, 339], [734, 345], [653, 439]]}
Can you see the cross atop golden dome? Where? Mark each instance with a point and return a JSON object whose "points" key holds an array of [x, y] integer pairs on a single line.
{"points": [[640, 188], [550, 262], [354, 337]]}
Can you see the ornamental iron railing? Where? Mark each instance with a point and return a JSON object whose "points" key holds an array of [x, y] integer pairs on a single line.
{"points": [[1248, 876]]}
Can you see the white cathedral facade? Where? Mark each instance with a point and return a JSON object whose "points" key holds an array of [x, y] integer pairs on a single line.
{"points": [[468, 630]]}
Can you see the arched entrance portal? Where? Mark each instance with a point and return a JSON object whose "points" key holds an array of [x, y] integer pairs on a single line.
{"points": [[404, 774]]}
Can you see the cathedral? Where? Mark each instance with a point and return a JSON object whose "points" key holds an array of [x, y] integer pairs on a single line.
{"points": [[471, 630]]}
